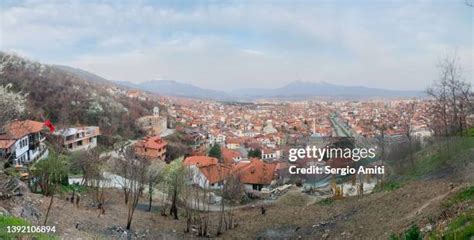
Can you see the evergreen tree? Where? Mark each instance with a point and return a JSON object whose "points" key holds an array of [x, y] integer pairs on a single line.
{"points": [[215, 151]]}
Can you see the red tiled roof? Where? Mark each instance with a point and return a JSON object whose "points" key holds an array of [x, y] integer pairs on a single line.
{"points": [[154, 142], [228, 155], [255, 172], [200, 161], [18, 129], [6, 143], [215, 173]]}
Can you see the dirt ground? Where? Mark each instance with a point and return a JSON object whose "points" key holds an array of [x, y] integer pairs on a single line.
{"points": [[374, 216], [296, 215]]}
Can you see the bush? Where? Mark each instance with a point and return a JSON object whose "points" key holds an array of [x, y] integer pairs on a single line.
{"points": [[326, 201], [413, 233], [388, 186], [7, 164]]}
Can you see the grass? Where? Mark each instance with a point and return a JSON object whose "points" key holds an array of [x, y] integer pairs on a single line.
{"points": [[470, 132], [412, 233], [466, 194], [437, 158], [6, 221], [326, 201], [389, 185], [291, 199], [70, 188], [461, 227]]}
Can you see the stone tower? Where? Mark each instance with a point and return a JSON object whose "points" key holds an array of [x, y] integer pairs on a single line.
{"points": [[156, 111]]}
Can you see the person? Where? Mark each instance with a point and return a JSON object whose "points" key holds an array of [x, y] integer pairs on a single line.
{"points": [[263, 210]]}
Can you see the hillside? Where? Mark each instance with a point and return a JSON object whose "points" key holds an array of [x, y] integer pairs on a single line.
{"points": [[72, 97]]}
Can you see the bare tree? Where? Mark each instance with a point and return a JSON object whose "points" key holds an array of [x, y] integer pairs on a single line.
{"points": [[407, 114], [452, 97], [135, 170], [233, 192], [154, 176], [121, 167]]}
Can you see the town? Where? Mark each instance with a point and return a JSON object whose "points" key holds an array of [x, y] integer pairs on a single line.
{"points": [[136, 120]]}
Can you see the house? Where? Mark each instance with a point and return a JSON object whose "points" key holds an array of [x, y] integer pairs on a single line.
{"points": [[153, 148], [270, 154], [206, 171], [255, 174], [78, 138], [233, 143], [21, 142], [230, 156]]}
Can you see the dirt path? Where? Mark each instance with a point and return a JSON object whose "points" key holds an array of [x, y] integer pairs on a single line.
{"points": [[438, 198]]}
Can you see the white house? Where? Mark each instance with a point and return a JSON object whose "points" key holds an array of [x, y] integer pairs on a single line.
{"points": [[21, 142]]}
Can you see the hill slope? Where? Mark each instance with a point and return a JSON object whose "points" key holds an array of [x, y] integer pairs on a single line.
{"points": [[72, 97]]}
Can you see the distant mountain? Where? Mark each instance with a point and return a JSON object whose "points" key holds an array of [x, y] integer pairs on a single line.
{"points": [[300, 89], [173, 88]]}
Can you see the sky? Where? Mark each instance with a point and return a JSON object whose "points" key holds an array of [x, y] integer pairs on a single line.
{"points": [[228, 45]]}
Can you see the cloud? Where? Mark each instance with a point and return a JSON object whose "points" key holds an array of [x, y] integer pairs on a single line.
{"points": [[231, 45]]}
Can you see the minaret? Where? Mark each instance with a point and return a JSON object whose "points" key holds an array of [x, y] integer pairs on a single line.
{"points": [[314, 126]]}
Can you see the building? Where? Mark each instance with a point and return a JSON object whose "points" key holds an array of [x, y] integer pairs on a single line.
{"points": [[21, 142], [207, 172], [255, 174], [153, 124], [78, 138], [230, 156], [153, 148]]}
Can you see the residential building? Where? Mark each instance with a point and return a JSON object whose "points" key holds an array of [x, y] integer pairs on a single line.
{"points": [[78, 138], [207, 172], [255, 174], [21, 142], [153, 148]]}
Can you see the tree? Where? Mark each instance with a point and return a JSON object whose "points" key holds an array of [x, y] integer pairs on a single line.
{"points": [[452, 98], [406, 121], [136, 172], [215, 151], [232, 191], [254, 153], [12, 104], [49, 173], [154, 176], [121, 167], [175, 177]]}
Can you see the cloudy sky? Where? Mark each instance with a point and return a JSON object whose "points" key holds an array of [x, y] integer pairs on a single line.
{"points": [[229, 45]]}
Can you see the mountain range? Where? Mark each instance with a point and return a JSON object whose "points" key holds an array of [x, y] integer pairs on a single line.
{"points": [[293, 90]]}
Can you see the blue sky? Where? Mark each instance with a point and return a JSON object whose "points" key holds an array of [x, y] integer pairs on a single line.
{"points": [[229, 45]]}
